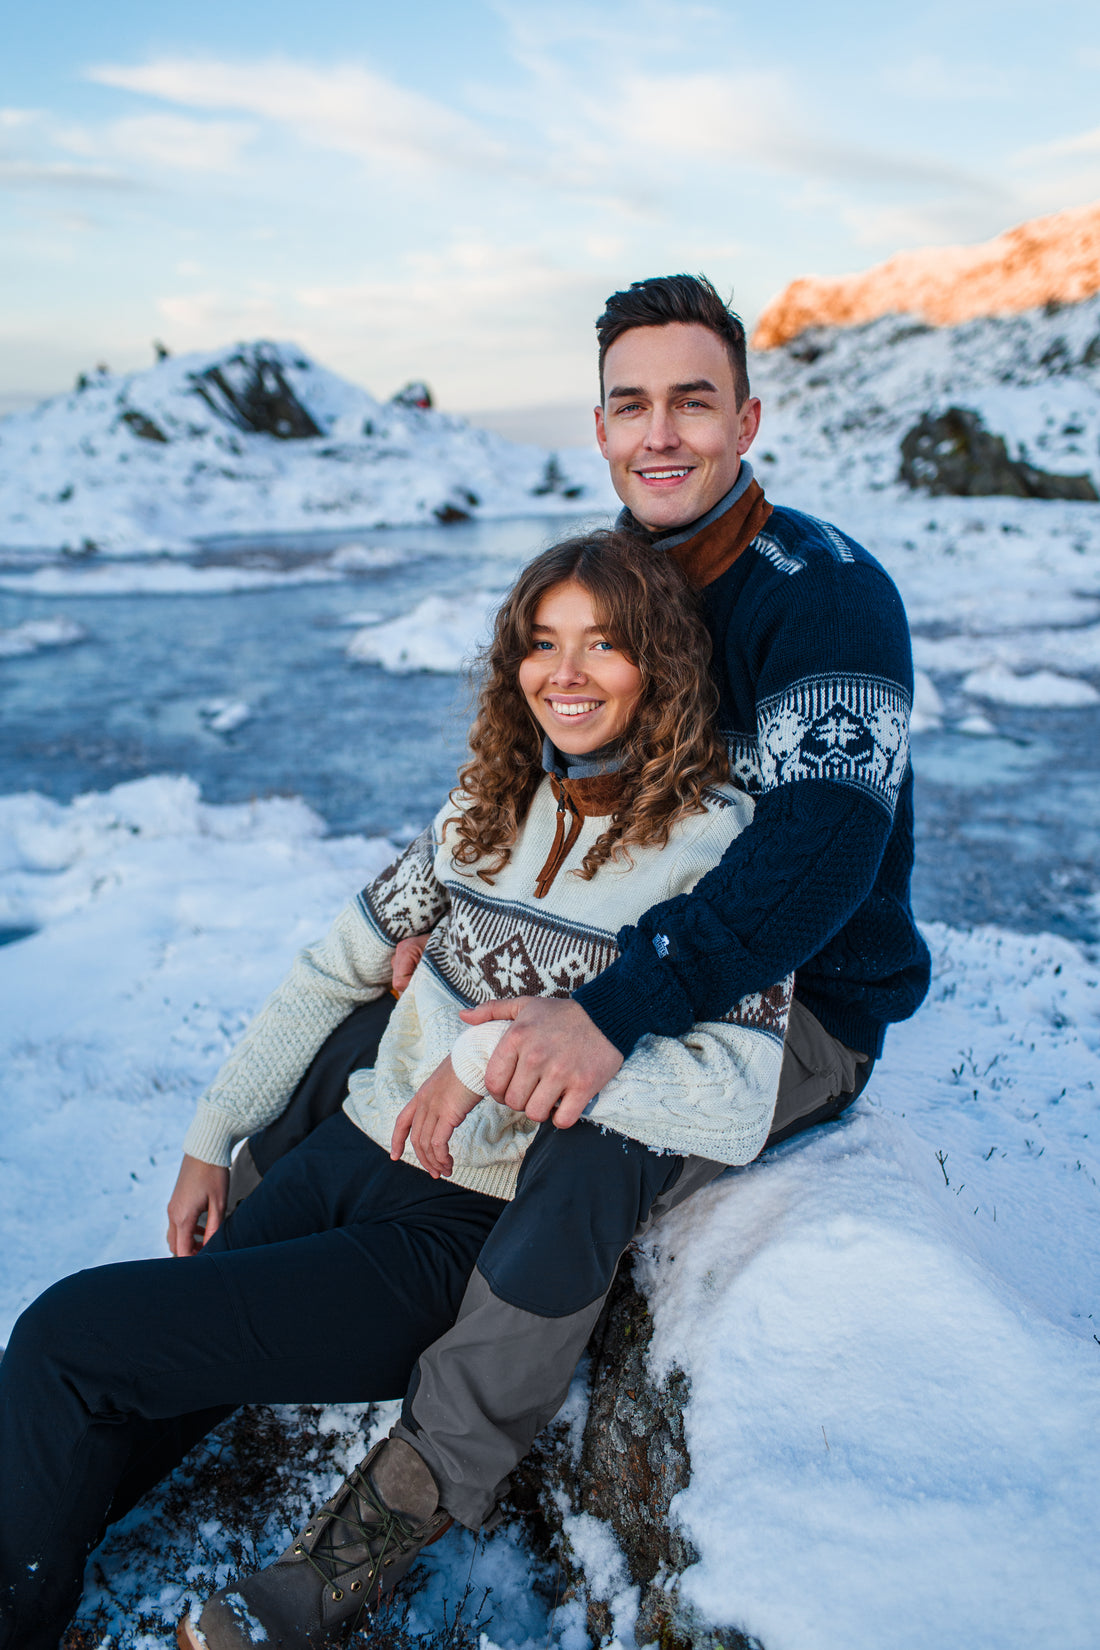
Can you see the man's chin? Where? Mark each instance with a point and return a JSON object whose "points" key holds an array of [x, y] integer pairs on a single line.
{"points": [[665, 515]]}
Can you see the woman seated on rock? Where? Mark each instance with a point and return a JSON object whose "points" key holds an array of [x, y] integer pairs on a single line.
{"points": [[425, 1240]]}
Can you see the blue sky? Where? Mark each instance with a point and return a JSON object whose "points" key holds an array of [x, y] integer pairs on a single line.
{"points": [[450, 191]]}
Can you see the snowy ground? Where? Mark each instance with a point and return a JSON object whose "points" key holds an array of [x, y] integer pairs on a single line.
{"points": [[892, 1328], [888, 1329]]}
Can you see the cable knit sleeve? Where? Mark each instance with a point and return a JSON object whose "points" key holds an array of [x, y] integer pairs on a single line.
{"points": [[351, 965], [708, 1094], [830, 664]]}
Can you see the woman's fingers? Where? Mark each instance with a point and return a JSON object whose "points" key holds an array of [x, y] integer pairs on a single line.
{"points": [[401, 1129], [200, 1189]]}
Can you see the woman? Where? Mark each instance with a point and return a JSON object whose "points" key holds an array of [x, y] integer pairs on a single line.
{"points": [[593, 792]]}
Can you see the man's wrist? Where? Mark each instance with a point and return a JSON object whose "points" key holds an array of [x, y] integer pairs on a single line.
{"points": [[621, 1007]]}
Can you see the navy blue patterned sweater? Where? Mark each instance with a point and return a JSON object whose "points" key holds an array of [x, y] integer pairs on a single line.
{"points": [[814, 669]]}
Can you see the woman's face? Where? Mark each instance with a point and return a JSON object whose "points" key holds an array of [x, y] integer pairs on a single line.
{"points": [[582, 691]]}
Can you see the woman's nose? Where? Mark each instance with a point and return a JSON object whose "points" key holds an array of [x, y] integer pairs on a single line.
{"points": [[568, 669]]}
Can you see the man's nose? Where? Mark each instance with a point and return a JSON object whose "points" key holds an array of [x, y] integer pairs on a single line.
{"points": [[662, 433]]}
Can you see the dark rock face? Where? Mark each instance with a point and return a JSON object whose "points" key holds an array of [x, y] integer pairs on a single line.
{"points": [[954, 453], [142, 426], [632, 1461], [251, 392], [415, 394]]}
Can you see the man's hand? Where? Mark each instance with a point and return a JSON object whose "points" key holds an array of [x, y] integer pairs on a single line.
{"points": [[201, 1189], [551, 1062], [405, 959], [431, 1117]]}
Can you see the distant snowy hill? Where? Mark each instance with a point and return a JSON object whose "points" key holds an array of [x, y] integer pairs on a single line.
{"points": [[257, 438], [1055, 259], [838, 402]]}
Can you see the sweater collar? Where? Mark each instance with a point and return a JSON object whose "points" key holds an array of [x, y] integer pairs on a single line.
{"points": [[707, 547], [589, 785]]}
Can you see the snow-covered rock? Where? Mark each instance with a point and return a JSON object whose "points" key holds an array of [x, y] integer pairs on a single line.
{"points": [[838, 402], [257, 438]]}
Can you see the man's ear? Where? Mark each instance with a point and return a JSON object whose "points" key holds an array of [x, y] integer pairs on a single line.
{"points": [[601, 431], [749, 417]]}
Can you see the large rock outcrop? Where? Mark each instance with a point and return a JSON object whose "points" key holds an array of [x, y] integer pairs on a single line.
{"points": [[954, 453], [1053, 260]]}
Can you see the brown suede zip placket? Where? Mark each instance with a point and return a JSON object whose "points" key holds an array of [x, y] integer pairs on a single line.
{"points": [[578, 799]]}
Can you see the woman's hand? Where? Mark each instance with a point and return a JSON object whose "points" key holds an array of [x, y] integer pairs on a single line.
{"points": [[405, 959], [201, 1189], [431, 1117]]}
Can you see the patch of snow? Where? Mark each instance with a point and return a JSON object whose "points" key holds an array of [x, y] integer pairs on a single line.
{"points": [[927, 712], [1043, 687], [442, 634], [159, 578], [225, 715], [978, 725], [34, 634]]}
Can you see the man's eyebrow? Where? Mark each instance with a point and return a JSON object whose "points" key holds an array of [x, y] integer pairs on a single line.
{"points": [[627, 392]]}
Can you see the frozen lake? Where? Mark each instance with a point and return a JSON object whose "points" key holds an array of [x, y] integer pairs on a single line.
{"points": [[251, 691]]}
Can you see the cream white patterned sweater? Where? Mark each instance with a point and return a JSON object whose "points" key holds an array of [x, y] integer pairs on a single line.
{"points": [[709, 1093]]}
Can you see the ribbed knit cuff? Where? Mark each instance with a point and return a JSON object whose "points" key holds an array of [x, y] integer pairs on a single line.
{"points": [[212, 1136], [474, 1049], [616, 1007]]}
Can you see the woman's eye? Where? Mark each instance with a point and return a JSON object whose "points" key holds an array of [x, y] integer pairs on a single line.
{"points": [[541, 647]]}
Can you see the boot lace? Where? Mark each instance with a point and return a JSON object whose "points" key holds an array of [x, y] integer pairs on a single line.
{"points": [[361, 1520]]}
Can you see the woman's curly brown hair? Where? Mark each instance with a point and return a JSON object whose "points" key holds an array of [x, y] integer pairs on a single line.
{"points": [[670, 752]]}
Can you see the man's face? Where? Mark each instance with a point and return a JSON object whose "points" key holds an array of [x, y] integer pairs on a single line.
{"points": [[670, 427]]}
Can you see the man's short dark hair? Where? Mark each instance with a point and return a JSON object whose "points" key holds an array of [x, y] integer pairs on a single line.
{"points": [[663, 299]]}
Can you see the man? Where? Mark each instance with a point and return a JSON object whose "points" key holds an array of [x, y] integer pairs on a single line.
{"points": [[812, 663]]}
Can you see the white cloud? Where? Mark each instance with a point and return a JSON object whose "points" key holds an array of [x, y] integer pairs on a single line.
{"points": [[1082, 143], [348, 108], [37, 174], [757, 118], [943, 79], [12, 119], [173, 141], [210, 317]]}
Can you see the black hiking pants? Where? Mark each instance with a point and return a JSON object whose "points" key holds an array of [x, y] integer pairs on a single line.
{"points": [[326, 1285]]}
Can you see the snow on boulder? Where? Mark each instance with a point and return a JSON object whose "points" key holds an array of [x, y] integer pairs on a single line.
{"points": [[250, 439]]}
